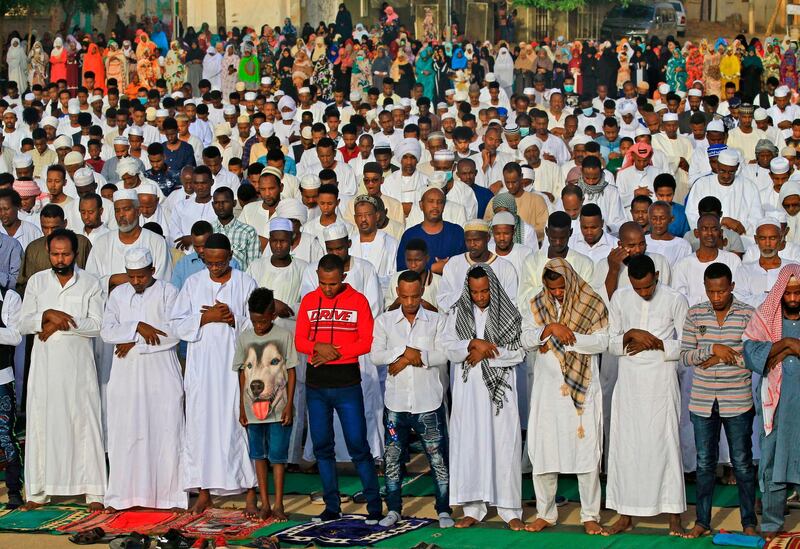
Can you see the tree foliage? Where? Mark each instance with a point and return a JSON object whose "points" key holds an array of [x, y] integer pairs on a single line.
{"points": [[563, 5]]}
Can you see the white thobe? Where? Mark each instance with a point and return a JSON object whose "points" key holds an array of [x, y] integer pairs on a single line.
{"points": [[548, 179], [216, 444], [630, 180], [687, 275], [404, 188], [516, 256], [601, 271], [530, 283], [488, 175], [186, 215], [26, 233], [673, 250], [463, 195], [740, 200], [429, 292], [674, 150], [610, 205], [787, 115], [96, 233], [257, 217], [745, 142], [553, 443], [485, 444], [381, 253], [753, 282], [145, 405], [454, 276], [452, 212], [645, 472], [597, 251], [64, 444], [790, 253]]}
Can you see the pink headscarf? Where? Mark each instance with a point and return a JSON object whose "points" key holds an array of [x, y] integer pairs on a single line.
{"points": [[767, 325], [391, 16], [642, 150]]}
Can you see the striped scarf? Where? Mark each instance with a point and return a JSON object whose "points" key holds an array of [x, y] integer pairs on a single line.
{"points": [[583, 312], [503, 328]]}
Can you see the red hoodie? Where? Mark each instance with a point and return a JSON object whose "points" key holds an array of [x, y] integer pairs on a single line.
{"points": [[345, 321]]}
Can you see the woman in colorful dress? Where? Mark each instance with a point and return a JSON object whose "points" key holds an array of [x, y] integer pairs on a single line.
{"points": [[676, 71], [37, 65], [425, 73], [93, 62], [73, 64], [711, 75], [116, 65], [730, 70], [694, 64], [230, 71], [249, 70], [772, 61], [143, 62], [789, 66], [752, 69], [174, 69], [361, 79]]}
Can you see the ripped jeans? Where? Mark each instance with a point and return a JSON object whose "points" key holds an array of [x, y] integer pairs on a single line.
{"points": [[431, 427], [8, 437]]}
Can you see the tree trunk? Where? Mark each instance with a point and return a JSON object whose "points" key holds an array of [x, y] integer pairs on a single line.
{"points": [[221, 15], [112, 7]]}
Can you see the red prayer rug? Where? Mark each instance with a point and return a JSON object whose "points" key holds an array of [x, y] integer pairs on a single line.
{"points": [[230, 523], [125, 522], [790, 540]]}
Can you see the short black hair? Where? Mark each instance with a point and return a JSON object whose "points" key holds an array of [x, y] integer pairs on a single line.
{"points": [[328, 188], [664, 180], [417, 245], [331, 262], [591, 162], [13, 196], [261, 301], [477, 272], [246, 192], [640, 266], [710, 204], [718, 270], [591, 210], [63, 233], [218, 241], [642, 198], [98, 200], [52, 210], [559, 220], [224, 190], [202, 227], [409, 276], [154, 149]]}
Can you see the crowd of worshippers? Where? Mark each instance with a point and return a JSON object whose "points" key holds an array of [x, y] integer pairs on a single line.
{"points": [[196, 292]]}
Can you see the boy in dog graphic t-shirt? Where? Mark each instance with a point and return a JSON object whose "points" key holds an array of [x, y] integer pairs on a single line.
{"points": [[265, 357]]}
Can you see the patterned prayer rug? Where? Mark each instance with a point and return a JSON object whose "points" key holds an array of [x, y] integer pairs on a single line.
{"points": [[46, 519], [790, 540], [125, 522], [348, 531], [230, 523]]}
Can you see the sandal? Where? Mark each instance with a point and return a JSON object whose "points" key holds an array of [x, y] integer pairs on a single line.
{"points": [[132, 541], [265, 542], [173, 539], [88, 537]]}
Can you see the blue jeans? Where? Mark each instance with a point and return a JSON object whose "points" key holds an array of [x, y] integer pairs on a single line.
{"points": [[349, 405], [431, 427], [8, 437], [739, 430]]}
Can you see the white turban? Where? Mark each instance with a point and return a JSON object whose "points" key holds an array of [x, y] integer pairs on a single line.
{"points": [[409, 146], [127, 166]]}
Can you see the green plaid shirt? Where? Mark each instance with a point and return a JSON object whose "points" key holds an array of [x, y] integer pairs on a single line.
{"points": [[244, 241]]}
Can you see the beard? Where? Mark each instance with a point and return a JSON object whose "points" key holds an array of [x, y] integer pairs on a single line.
{"points": [[126, 228], [64, 269]]}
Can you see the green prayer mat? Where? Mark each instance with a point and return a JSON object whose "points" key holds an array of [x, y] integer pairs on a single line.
{"points": [[495, 536], [45, 519], [299, 483]]}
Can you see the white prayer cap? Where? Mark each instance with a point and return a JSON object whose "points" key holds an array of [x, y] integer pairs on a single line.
{"points": [[790, 188], [477, 225], [670, 117], [490, 77], [437, 180], [335, 231], [528, 173], [768, 220], [461, 96], [779, 165], [266, 80], [286, 102], [782, 91], [780, 215], [243, 119], [266, 129], [641, 130], [397, 107], [147, 187], [136, 130], [448, 116], [189, 101], [760, 114], [410, 146], [250, 96], [138, 258], [222, 129], [127, 166], [310, 181], [694, 92], [272, 170], [162, 113], [280, 224], [444, 155], [355, 96], [29, 97], [380, 141], [449, 92], [51, 121], [663, 88], [229, 110], [73, 157], [150, 114], [627, 108], [292, 208], [680, 93], [405, 101], [64, 142], [578, 140], [126, 194], [177, 95], [278, 94], [120, 140], [716, 125], [22, 160], [659, 106], [530, 140], [83, 177], [73, 106], [305, 133], [503, 218], [94, 98], [529, 91], [304, 89], [728, 158]]}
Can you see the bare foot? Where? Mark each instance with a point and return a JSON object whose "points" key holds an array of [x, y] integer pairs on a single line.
{"points": [[279, 514], [697, 532], [537, 525], [95, 506], [30, 506], [266, 513], [109, 510], [728, 476], [593, 528], [251, 505], [203, 502], [466, 522], [676, 526], [179, 510], [516, 525], [750, 531], [770, 535], [623, 524]]}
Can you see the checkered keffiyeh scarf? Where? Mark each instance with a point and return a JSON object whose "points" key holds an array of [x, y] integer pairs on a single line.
{"points": [[767, 325], [503, 328], [583, 312]]}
